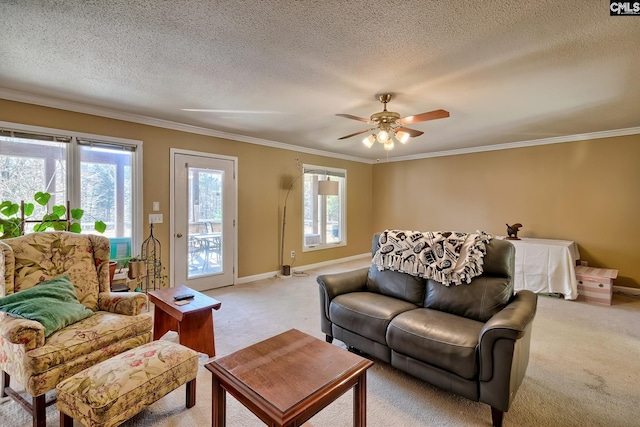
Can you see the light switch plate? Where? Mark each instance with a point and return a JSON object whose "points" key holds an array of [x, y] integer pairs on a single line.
{"points": [[156, 206], [155, 218]]}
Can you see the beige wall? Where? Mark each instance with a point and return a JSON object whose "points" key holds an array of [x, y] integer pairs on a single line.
{"points": [[585, 191], [263, 174]]}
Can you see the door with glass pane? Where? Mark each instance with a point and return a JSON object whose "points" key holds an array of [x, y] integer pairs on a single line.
{"points": [[203, 221]]}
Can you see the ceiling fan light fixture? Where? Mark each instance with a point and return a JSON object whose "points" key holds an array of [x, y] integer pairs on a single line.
{"points": [[383, 136], [368, 141], [403, 137], [389, 126]]}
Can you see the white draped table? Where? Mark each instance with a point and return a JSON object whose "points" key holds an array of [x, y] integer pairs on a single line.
{"points": [[546, 266]]}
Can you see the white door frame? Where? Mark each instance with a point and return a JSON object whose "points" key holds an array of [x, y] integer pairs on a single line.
{"points": [[172, 154]]}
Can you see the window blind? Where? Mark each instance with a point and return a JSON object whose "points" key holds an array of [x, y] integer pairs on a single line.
{"points": [[34, 136], [327, 172], [105, 144]]}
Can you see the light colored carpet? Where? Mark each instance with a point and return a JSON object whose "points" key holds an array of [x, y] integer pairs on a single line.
{"points": [[583, 369]]}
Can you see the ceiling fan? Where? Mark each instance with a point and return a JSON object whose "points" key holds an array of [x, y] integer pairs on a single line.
{"points": [[388, 125]]}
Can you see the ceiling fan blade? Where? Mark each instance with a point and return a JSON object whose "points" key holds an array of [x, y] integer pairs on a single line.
{"points": [[431, 115], [354, 134], [349, 116], [411, 132]]}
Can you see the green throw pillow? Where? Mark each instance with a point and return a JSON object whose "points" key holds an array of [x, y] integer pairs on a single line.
{"points": [[53, 303]]}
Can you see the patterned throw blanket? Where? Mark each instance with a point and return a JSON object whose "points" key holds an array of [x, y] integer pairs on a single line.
{"points": [[444, 256]]}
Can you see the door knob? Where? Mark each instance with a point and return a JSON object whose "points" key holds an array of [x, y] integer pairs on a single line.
{"points": [[179, 235]]}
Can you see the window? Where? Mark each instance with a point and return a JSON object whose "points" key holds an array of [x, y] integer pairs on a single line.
{"points": [[324, 224], [97, 174]]}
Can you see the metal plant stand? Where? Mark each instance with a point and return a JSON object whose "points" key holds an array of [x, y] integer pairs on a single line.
{"points": [[152, 255]]}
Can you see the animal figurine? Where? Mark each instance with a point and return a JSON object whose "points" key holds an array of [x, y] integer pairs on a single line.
{"points": [[512, 231]]}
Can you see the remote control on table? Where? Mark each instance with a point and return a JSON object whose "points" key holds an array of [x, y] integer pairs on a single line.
{"points": [[181, 297]]}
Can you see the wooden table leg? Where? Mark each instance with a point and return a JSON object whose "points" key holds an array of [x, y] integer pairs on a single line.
{"points": [[360, 401], [196, 332], [191, 394], [162, 323], [65, 420], [218, 403]]}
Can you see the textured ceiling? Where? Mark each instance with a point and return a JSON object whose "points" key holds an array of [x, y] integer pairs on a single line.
{"points": [[507, 71]]}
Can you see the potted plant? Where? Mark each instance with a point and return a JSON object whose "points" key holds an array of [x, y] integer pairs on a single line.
{"points": [[112, 270], [60, 217], [137, 267]]}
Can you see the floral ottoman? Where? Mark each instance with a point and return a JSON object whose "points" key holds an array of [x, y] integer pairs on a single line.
{"points": [[113, 391]]}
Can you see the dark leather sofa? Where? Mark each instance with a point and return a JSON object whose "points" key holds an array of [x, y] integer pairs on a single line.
{"points": [[471, 339]]}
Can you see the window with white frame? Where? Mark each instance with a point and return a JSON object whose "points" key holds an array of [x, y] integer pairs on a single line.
{"points": [[324, 224], [99, 175]]}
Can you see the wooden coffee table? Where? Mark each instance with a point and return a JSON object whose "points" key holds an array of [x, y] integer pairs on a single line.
{"points": [[192, 321], [287, 379]]}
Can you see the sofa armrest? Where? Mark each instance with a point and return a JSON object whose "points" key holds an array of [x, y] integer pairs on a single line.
{"points": [[332, 285], [504, 347], [128, 303], [342, 283], [509, 323], [22, 331]]}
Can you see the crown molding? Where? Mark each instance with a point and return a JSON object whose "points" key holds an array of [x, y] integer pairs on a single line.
{"points": [[77, 107], [522, 144], [28, 98]]}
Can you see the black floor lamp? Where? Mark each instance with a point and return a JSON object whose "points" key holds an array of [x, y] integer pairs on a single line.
{"points": [[325, 188]]}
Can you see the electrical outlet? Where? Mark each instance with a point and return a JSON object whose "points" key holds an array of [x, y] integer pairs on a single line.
{"points": [[293, 254]]}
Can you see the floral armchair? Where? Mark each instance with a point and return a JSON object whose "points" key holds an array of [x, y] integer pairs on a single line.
{"points": [[40, 362]]}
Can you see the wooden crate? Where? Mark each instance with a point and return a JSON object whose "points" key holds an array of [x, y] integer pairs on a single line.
{"points": [[595, 284]]}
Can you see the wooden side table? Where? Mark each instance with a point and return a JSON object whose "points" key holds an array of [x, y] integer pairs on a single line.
{"points": [[193, 321], [287, 379]]}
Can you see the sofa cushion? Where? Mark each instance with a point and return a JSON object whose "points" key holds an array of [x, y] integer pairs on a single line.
{"points": [[440, 339], [366, 314], [85, 337], [478, 300], [499, 260], [395, 284]]}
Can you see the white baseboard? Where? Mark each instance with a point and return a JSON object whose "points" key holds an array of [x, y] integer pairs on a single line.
{"points": [[626, 290], [255, 277], [271, 274], [331, 262]]}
